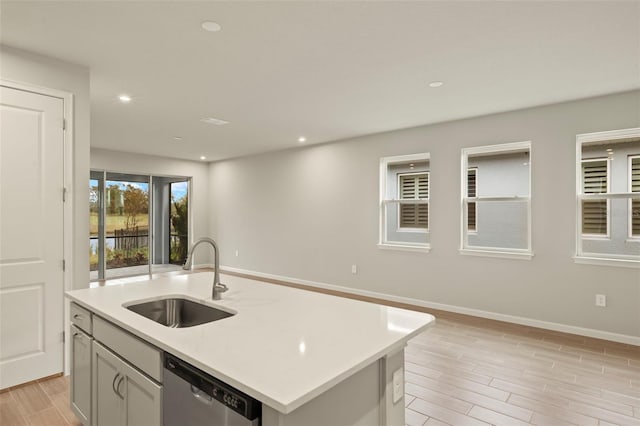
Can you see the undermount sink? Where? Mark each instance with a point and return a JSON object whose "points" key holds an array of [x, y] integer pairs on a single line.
{"points": [[178, 312]]}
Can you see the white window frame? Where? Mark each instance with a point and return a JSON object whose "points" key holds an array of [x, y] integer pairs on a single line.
{"points": [[385, 162], [503, 252], [630, 213], [405, 228], [599, 258], [607, 235]]}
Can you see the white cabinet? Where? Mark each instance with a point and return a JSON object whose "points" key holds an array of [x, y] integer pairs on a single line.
{"points": [[81, 374], [121, 394]]}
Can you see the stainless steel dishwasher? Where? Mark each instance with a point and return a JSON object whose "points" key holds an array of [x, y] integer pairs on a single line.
{"points": [[191, 397]]}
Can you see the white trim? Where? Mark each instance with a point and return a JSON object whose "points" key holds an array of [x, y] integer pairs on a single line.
{"points": [[465, 248], [68, 217], [607, 261], [524, 146], [607, 136], [524, 255], [405, 247], [565, 328]]}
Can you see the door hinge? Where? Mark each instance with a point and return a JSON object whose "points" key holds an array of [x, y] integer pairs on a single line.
{"points": [[64, 265], [64, 336], [64, 124], [64, 194]]}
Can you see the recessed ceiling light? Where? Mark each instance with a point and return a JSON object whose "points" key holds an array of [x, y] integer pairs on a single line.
{"points": [[202, 157], [436, 84], [302, 139], [211, 26], [124, 98], [214, 121]]}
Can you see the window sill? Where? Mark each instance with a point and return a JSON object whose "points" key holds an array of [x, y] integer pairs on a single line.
{"points": [[521, 255], [607, 261], [404, 247]]}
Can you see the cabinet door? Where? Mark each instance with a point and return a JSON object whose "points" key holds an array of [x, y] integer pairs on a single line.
{"points": [[81, 375], [121, 394], [107, 378], [142, 399]]}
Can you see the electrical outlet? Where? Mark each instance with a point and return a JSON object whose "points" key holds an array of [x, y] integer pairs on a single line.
{"points": [[601, 300], [237, 253], [354, 269], [398, 385]]}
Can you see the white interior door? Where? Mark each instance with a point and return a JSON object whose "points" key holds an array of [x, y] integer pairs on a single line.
{"points": [[31, 236]]}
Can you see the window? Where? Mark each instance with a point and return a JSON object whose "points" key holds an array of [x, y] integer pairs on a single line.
{"points": [[608, 197], [595, 180], [496, 217], [404, 202], [634, 186], [414, 187], [472, 182]]}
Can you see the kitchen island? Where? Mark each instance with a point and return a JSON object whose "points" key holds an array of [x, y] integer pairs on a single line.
{"points": [[309, 358]]}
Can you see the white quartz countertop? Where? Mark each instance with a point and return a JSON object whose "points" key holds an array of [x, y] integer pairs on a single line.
{"points": [[283, 346]]}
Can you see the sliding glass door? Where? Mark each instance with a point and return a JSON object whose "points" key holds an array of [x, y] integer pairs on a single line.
{"points": [[170, 222], [138, 224], [126, 225]]}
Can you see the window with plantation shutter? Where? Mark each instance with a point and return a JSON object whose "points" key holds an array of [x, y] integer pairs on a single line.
{"points": [[594, 181], [472, 176], [404, 202], [608, 197], [635, 204], [414, 187]]}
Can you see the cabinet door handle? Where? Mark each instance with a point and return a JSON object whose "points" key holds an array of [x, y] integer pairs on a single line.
{"points": [[118, 387], [77, 316], [115, 387]]}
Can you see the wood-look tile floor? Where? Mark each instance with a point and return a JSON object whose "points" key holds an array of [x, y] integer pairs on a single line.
{"points": [[462, 371], [43, 403], [472, 371]]}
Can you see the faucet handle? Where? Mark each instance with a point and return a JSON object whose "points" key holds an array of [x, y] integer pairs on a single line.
{"points": [[221, 287]]}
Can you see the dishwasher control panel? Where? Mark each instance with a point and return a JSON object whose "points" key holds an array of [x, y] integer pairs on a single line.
{"points": [[202, 382]]}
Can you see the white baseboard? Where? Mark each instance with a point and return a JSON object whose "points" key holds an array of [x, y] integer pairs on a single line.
{"points": [[565, 328]]}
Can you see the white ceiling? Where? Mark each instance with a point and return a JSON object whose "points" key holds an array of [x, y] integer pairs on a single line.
{"points": [[325, 70]]}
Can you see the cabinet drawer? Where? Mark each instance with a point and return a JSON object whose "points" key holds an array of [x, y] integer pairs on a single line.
{"points": [[81, 318], [142, 355]]}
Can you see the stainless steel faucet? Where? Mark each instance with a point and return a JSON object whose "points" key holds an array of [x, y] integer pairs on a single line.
{"points": [[218, 287]]}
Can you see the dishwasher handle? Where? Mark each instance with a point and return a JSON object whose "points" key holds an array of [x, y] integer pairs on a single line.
{"points": [[201, 395], [206, 388]]}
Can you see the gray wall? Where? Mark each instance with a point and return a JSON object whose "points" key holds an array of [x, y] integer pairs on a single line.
{"points": [[310, 213], [501, 224]]}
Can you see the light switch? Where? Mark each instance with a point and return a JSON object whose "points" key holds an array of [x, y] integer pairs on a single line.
{"points": [[398, 385]]}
